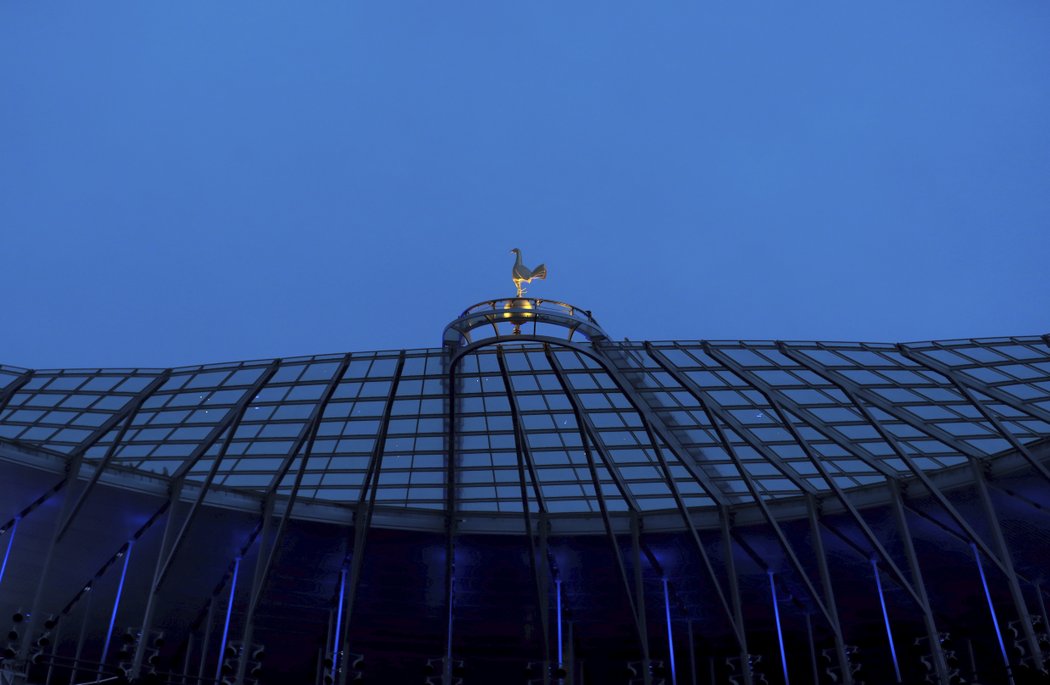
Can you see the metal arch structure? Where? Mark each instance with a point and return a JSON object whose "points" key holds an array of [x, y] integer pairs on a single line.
{"points": [[524, 440]]}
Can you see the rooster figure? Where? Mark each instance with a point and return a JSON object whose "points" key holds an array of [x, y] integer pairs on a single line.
{"points": [[523, 274]]}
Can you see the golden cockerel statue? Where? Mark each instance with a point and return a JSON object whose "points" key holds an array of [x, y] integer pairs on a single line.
{"points": [[523, 274]]}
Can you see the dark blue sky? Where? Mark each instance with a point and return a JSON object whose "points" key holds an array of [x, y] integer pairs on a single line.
{"points": [[198, 181]]}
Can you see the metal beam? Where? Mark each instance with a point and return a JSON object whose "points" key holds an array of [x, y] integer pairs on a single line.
{"points": [[520, 448], [106, 459], [639, 593], [876, 400], [596, 484], [940, 664], [451, 520], [818, 464], [303, 444], [521, 445], [901, 453], [229, 425], [587, 426], [1020, 605], [652, 419], [734, 594], [151, 600], [74, 460], [649, 419], [920, 357], [690, 387], [964, 390], [13, 387], [366, 500], [743, 431], [829, 592]]}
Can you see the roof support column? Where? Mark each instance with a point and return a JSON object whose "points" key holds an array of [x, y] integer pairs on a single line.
{"points": [[603, 508], [1035, 652], [653, 427], [539, 572], [734, 594], [366, 502], [829, 592], [205, 640], [151, 600], [711, 409], [451, 520], [302, 449], [940, 664], [639, 593], [65, 519]]}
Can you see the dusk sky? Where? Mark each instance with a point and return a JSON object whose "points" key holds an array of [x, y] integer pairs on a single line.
{"points": [[198, 182]]}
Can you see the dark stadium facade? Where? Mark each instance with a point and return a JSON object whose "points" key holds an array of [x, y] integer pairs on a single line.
{"points": [[533, 502]]}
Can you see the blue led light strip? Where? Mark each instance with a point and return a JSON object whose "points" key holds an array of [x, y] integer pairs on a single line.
{"points": [[991, 608], [557, 589], [10, 541], [886, 618], [338, 621], [229, 611], [670, 636], [780, 633], [116, 605]]}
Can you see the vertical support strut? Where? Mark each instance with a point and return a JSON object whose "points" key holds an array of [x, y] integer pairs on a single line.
{"points": [[557, 592], [75, 460], [780, 631], [10, 543], [451, 521], [1007, 565], [602, 507], [116, 608], [206, 639], [337, 631], [80, 641], [812, 650], [829, 592], [670, 634], [302, 448], [734, 593], [991, 610], [715, 416], [226, 623], [639, 593], [940, 664], [886, 618], [692, 653], [539, 571], [366, 501], [151, 600], [777, 402], [653, 427]]}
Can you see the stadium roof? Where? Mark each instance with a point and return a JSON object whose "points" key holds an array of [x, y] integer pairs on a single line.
{"points": [[714, 423]]}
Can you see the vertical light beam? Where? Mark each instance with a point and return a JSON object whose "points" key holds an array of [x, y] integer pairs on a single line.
{"points": [[338, 621], [116, 605], [780, 633], [670, 636], [10, 541], [229, 612], [991, 608], [886, 618], [557, 592]]}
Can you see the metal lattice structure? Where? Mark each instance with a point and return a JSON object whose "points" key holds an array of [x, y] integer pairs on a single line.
{"points": [[530, 422]]}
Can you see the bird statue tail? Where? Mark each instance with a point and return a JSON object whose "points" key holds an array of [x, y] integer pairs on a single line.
{"points": [[540, 272]]}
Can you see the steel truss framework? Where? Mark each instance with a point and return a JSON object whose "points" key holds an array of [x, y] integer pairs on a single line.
{"points": [[541, 436]]}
